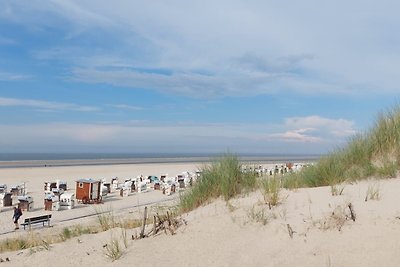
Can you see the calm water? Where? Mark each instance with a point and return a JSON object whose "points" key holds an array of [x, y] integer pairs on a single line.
{"points": [[8, 160]]}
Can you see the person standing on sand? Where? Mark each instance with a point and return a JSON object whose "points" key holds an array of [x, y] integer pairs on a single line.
{"points": [[16, 216]]}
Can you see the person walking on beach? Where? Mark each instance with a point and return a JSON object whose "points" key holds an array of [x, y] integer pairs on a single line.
{"points": [[16, 216]]}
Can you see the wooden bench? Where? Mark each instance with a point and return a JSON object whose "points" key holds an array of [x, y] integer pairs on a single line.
{"points": [[37, 219]]}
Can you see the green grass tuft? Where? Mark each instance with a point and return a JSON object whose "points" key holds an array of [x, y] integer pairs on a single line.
{"points": [[374, 153], [222, 178], [271, 188], [113, 250]]}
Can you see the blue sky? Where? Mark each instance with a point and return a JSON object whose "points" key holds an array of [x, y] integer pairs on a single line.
{"points": [[194, 76]]}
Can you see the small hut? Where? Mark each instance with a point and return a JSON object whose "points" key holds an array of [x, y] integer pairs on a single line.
{"points": [[180, 178], [5, 199], [114, 183], [169, 186], [51, 201], [25, 202], [17, 190], [153, 182], [67, 200], [124, 191], [142, 187], [88, 191], [48, 186], [107, 188]]}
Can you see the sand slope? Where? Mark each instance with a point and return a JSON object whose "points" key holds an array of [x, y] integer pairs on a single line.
{"points": [[231, 235]]}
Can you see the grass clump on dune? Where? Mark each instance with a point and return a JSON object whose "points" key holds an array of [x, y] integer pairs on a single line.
{"points": [[36, 241], [222, 178], [113, 250], [374, 153], [271, 188]]}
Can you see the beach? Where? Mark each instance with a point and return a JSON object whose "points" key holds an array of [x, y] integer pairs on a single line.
{"points": [[243, 232], [34, 178]]}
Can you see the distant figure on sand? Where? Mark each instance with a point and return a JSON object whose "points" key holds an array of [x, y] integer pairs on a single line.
{"points": [[16, 216]]}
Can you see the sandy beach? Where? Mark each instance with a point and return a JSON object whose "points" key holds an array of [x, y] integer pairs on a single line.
{"points": [[244, 232], [35, 177]]}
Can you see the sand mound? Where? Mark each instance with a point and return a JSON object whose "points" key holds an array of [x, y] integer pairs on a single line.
{"points": [[309, 228]]}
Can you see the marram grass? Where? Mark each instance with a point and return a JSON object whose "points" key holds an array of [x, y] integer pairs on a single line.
{"points": [[36, 240], [223, 178], [374, 153]]}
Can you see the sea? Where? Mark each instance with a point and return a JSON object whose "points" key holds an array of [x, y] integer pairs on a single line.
{"points": [[16, 160]]}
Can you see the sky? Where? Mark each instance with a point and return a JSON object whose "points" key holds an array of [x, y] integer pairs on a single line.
{"points": [[126, 76]]}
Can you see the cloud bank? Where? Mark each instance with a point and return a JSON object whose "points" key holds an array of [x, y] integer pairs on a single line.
{"points": [[226, 48], [45, 105], [184, 137]]}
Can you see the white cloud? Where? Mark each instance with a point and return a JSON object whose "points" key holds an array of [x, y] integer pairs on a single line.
{"points": [[7, 41], [8, 76], [125, 107], [314, 130], [332, 127], [46, 105], [40, 14], [75, 12], [269, 46], [189, 84], [146, 136], [343, 55], [299, 135]]}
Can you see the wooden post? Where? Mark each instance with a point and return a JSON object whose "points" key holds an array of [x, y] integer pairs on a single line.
{"points": [[352, 213], [144, 222], [154, 225]]}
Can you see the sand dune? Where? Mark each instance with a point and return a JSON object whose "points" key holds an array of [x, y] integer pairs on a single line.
{"points": [[242, 233]]}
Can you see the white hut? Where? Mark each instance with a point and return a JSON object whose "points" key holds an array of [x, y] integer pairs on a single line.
{"points": [[126, 188], [142, 187], [68, 200], [169, 186]]}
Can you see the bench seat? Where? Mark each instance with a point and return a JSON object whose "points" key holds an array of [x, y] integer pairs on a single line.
{"points": [[37, 219]]}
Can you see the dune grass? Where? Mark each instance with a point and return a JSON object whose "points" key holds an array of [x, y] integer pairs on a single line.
{"points": [[337, 189], [35, 240], [223, 178], [270, 188], [374, 153], [373, 192], [106, 219], [113, 250], [258, 215], [74, 231], [30, 241]]}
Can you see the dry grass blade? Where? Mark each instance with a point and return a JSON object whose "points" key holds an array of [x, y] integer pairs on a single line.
{"points": [[271, 188], [290, 231], [373, 192], [113, 250]]}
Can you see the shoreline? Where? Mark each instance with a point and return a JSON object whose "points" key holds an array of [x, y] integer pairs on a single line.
{"points": [[6, 164]]}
